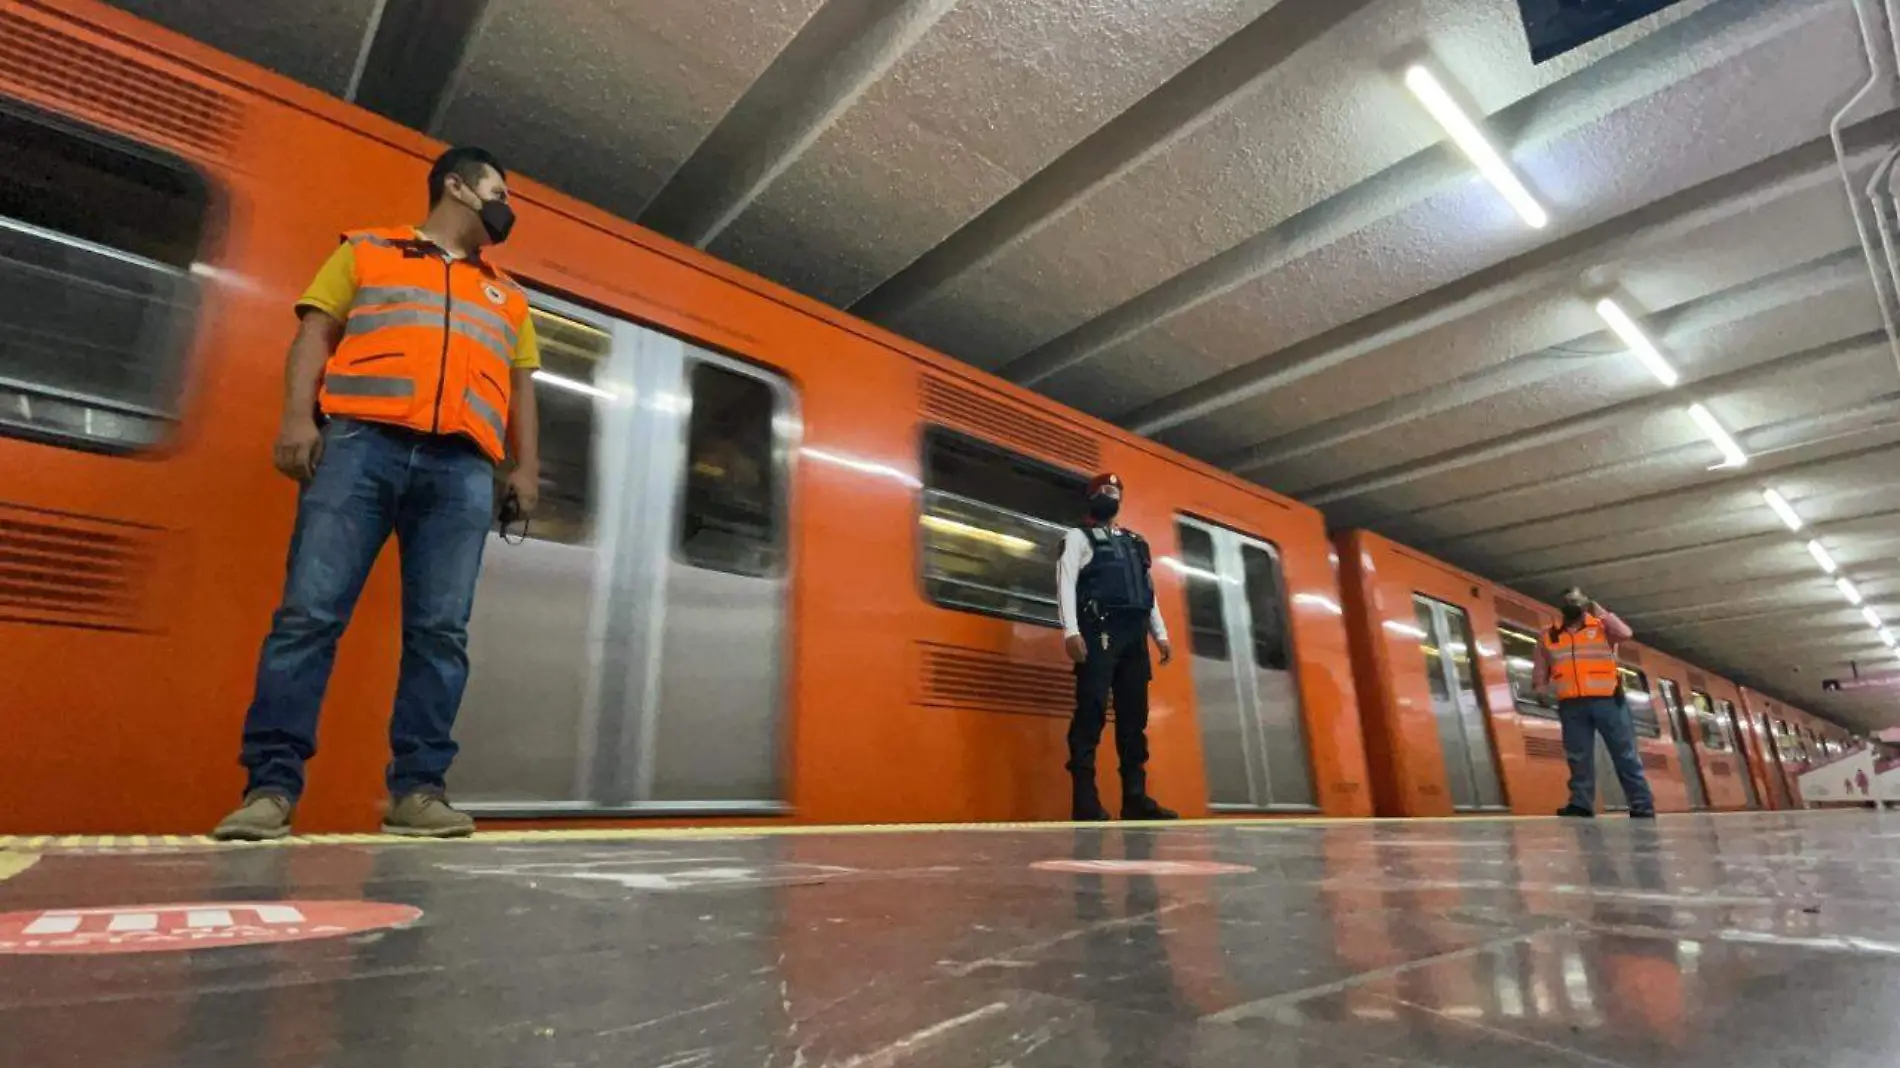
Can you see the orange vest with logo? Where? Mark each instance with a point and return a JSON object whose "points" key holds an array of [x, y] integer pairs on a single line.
{"points": [[429, 342], [1582, 661]]}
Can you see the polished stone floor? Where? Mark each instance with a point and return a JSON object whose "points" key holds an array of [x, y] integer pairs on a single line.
{"points": [[1729, 941]]}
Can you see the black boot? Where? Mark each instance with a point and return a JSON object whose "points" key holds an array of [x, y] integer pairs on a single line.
{"points": [[1136, 804], [1086, 805], [1143, 807]]}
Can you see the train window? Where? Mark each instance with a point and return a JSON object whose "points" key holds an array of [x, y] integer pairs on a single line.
{"points": [[572, 353], [1266, 602], [729, 514], [1520, 666], [1428, 648], [1636, 698], [1672, 704], [97, 244], [1207, 627], [1714, 732], [992, 527]]}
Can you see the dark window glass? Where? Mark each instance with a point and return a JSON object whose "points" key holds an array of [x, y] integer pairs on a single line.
{"points": [[1714, 731], [96, 289], [1672, 706], [992, 528], [1207, 627], [729, 515], [1428, 639], [1266, 602], [1642, 707], [1520, 666], [572, 354]]}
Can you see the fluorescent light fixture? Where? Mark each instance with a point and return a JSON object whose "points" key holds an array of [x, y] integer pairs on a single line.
{"points": [[1872, 617], [1472, 141], [1887, 638], [1782, 508], [1732, 454], [1638, 343], [572, 385], [1819, 552], [1848, 589], [968, 530]]}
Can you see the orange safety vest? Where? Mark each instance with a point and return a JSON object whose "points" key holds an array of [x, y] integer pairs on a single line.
{"points": [[429, 342], [1582, 661]]}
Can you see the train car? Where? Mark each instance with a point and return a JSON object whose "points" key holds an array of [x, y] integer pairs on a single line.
{"points": [[790, 566], [1759, 745], [1444, 661]]}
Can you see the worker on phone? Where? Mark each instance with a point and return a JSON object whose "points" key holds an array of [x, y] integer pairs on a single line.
{"points": [[1577, 660]]}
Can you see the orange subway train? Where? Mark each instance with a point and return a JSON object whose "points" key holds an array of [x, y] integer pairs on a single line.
{"points": [[790, 566], [1443, 660]]}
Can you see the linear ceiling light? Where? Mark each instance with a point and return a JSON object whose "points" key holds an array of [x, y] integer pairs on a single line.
{"points": [[1732, 454], [1872, 617], [1638, 342], [1474, 144], [1848, 589], [1887, 638], [1819, 552], [1782, 508], [572, 385]]}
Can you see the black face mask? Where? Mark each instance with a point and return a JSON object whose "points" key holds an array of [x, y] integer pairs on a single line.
{"points": [[498, 219], [1103, 508], [1573, 614]]}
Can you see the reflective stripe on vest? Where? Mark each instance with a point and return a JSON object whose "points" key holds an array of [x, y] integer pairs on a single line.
{"points": [[428, 343], [1582, 662]]}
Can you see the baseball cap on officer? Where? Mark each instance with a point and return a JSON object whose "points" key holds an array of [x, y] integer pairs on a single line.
{"points": [[1105, 496]]}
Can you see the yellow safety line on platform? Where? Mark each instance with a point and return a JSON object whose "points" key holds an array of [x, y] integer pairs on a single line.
{"points": [[137, 842], [12, 864]]}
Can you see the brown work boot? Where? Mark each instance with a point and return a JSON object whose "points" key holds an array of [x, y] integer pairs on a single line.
{"points": [[263, 817], [426, 814]]}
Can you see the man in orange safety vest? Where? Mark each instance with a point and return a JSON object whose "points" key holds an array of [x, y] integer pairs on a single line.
{"points": [[1577, 661]]}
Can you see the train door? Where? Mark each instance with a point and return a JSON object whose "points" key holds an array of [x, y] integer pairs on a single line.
{"points": [[1248, 701], [1470, 767], [1685, 746], [1726, 709], [628, 653]]}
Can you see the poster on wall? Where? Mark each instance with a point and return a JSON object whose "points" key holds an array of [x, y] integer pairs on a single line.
{"points": [[1847, 779], [1557, 26]]}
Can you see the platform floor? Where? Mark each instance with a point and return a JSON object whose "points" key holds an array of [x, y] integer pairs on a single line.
{"points": [[1730, 941]]}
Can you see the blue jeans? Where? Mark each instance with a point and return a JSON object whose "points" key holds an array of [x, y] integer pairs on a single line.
{"points": [[436, 494], [1583, 718]]}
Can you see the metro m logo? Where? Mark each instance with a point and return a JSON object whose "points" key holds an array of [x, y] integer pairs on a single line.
{"points": [[151, 928]]}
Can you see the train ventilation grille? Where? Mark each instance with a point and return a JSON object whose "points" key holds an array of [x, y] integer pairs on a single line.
{"points": [[68, 571], [956, 677], [1539, 748], [67, 70], [1655, 762], [1721, 770], [1001, 422]]}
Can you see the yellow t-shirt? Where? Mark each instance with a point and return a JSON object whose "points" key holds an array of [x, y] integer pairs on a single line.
{"points": [[333, 290]]}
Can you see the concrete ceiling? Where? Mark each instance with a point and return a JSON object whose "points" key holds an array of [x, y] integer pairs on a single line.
{"points": [[1228, 225]]}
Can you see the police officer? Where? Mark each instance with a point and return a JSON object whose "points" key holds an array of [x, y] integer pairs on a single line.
{"points": [[1577, 662], [1107, 602]]}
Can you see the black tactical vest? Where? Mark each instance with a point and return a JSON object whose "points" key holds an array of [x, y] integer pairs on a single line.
{"points": [[1115, 580]]}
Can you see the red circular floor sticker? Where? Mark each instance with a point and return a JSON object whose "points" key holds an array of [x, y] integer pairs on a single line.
{"points": [[1141, 867], [170, 928]]}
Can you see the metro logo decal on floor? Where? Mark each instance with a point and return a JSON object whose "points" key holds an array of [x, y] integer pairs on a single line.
{"points": [[169, 928]]}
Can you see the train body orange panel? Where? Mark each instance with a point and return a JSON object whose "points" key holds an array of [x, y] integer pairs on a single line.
{"points": [[134, 728], [1716, 761], [1406, 738]]}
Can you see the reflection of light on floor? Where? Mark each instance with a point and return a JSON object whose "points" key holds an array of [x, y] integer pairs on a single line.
{"points": [[1577, 981], [1375, 1012], [1510, 995], [1688, 956], [1464, 1012], [1540, 996]]}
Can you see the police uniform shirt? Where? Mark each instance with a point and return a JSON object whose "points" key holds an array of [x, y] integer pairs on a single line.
{"points": [[1076, 554]]}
